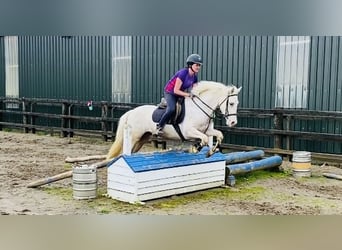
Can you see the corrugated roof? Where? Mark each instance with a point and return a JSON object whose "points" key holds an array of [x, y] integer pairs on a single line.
{"points": [[141, 162]]}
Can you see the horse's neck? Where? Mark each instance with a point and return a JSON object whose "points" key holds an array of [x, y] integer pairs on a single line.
{"points": [[210, 100], [207, 103]]}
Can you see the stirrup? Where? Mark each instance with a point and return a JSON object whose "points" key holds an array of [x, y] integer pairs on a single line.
{"points": [[159, 131]]}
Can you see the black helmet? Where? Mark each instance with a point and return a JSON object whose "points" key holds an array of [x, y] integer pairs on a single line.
{"points": [[194, 58]]}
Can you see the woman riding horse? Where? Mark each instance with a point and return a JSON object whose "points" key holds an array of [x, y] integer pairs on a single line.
{"points": [[209, 97], [178, 87]]}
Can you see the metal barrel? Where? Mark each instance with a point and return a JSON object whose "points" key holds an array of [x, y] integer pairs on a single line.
{"points": [[301, 164], [84, 180]]}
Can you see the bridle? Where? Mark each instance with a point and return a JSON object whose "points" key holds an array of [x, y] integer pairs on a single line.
{"points": [[212, 116]]}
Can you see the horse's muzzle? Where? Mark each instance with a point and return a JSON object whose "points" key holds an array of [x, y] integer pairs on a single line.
{"points": [[231, 123]]}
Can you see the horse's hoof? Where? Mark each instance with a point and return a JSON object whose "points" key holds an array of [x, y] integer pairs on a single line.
{"points": [[209, 153], [198, 147]]}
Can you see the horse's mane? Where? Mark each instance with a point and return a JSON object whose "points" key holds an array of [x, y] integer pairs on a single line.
{"points": [[204, 86]]}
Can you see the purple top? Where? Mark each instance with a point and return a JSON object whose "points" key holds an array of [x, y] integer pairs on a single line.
{"points": [[186, 78]]}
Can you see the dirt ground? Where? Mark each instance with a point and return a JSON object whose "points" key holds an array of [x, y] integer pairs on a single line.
{"points": [[25, 158]]}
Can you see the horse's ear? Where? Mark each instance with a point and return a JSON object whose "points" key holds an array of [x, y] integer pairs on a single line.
{"points": [[238, 90]]}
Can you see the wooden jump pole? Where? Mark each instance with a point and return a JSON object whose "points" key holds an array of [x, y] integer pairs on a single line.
{"points": [[333, 176], [85, 158], [64, 175], [127, 147]]}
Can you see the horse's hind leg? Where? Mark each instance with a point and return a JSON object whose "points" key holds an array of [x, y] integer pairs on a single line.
{"points": [[143, 139]]}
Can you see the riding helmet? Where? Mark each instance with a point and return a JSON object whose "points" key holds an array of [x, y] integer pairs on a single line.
{"points": [[194, 58]]}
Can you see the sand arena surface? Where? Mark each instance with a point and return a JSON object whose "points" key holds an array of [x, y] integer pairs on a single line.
{"points": [[28, 157]]}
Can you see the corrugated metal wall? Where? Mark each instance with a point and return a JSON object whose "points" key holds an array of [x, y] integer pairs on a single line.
{"points": [[2, 66], [247, 61], [325, 90], [83, 68], [58, 67], [326, 74]]}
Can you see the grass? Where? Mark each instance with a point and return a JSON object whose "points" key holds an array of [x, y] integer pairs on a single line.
{"points": [[242, 191], [251, 177], [64, 193], [67, 166]]}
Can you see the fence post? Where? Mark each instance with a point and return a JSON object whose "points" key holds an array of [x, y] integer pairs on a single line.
{"points": [[25, 116], [32, 118], [278, 124], [70, 121], [287, 128], [104, 126], [64, 120], [112, 110]]}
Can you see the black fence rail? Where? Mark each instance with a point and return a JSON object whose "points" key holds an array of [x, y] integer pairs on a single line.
{"points": [[283, 127], [288, 125], [66, 117], [290, 130]]}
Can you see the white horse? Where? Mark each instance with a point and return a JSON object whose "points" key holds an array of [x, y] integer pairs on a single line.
{"points": [[199, 113]]}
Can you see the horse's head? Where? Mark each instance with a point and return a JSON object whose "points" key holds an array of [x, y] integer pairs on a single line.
{"points": [[229, 105], [218, 95]]}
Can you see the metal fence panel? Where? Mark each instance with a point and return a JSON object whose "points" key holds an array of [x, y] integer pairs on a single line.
{"points": [[59, 67]]}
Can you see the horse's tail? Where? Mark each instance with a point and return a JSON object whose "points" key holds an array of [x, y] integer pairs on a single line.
{"points": [[116, 147]]}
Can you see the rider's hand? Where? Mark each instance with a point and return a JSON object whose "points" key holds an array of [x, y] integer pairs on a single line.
{"points": [[192, 95]]}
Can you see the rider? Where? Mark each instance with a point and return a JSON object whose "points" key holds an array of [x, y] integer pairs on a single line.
{"points": [[178, 87]]}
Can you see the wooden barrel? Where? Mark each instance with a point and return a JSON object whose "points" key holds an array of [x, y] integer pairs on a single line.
{"points": [[84, 181], [301, 164]]}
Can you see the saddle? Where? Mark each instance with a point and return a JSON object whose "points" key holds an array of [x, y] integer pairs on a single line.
{"points": [[175, 119], [161, 108]]}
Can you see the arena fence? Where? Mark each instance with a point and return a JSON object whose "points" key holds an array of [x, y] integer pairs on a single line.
{"points": [[285, 129]]}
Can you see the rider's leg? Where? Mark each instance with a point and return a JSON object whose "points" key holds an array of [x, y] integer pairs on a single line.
{"points": [[170, 110]]}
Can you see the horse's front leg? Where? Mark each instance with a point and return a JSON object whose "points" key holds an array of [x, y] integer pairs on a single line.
{"points": [[193, 133], [219, 137], [214, 132]]}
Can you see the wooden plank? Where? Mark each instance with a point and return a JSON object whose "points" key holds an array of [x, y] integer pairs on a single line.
{"points": [[130, 184], [177, 185], [129, 197], [167, 172], [161, 179]]}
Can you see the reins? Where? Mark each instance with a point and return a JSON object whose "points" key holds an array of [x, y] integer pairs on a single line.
{"points": [[212, 116], [226, 114]]}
